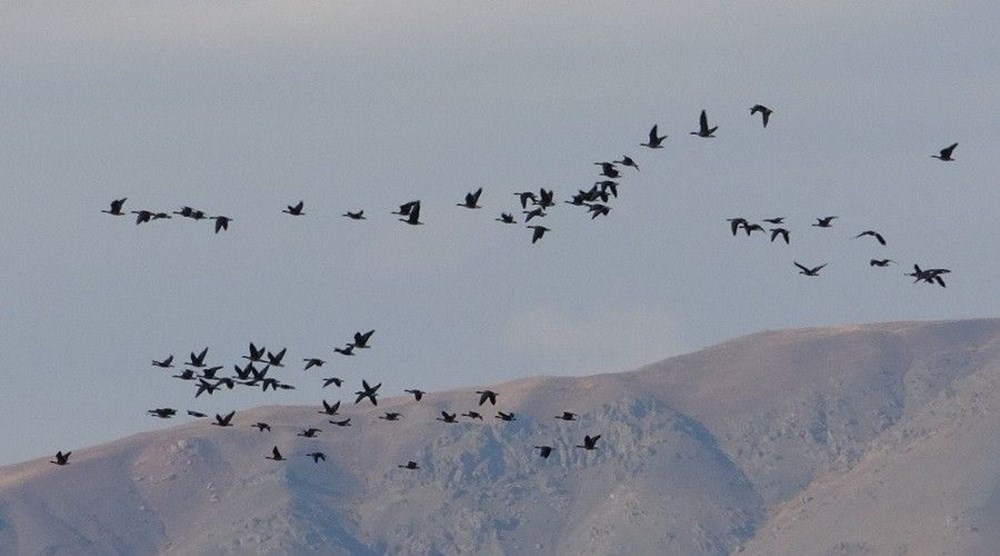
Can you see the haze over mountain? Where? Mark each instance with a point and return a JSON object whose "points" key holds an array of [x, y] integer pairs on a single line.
{"points": [[842, 440]]}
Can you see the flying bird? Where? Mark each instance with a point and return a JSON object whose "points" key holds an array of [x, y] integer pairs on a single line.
{"points": [[309, 433], [544, 451], [222, 223], [809, 271], [704, 130], [539, 231], [526, 196], [342, 423], [360, 215], [608, 169], [546, 198], [329, 409], [316, 456], [473, 415], [505, 416], [274, 359], [61, 458], [567, 416], [410, 465], [736, 223], [627, 161], [413, 217], [275, 455], [391, 416], [406, 208], [368, 392], [589, 442], [255, 353], [472, 199], [295, 210], [880, 262], [361, 340], [777, 221], [116, 207], [824, 222], [417, 394], [878, 237], [332, 380], [142, 216], [487, 395], [262, 427], [346, 350], [945, 154], [224, 421], [775, 232], [655, 141], [540, 212], [313, 362], [765, 112], [447, 417], [198, 360], [506, 218], [165, 364], [162, 412]]}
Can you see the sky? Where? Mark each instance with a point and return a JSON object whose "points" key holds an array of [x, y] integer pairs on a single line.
{"points": [[242, 108]]}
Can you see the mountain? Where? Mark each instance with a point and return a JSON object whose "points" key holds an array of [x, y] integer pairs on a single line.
{"points": [[863, 439]]}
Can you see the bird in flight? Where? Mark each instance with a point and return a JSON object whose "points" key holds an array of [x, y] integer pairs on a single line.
{"points": [[655, 141], [878, 237], [412, 215], [930, 275], [589, 442], [526, 196], [880, 262], [360, 215], [336, 381], [540, 212], [309, 433], [410, 465], [539, 231], [361, 340], [473, 415], [165, 364], [608, 169], [368, 392], [417, 394], [736, 223], [316, 456], [567, 416], [116, 207], [346, 350], [485, 395], [809, 271], [945, 154], [256, 354], [198, 360], [472, 199], [406, 208], [704, 130], [544, 451], [61, 458], [262, 427], [627, 161], [447, 417], [777, 221], [329, 409], [343, 423], [775, 232], [162, 412], [765, 112], [505, 416], [824, 222], [222, 223], [295, 210], [224, 421], [197, 414], [275, 455], [506, 218], [391, 416], [313, 362]]}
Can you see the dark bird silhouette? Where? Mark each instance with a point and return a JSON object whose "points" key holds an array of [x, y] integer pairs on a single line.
{"points": [[485, 395], [368, 392], [346, 350], [360, 215], [187, 374], [540, 212], [598, 210], [608, 170], [606, 186], [142, 216], [274, 359], [546, 198], [309, 433], [506, 218], [255, 353], [198, 361], [361, 340], [413, 218], [209, 372], [406, 208], [567, 416], [825, 222], [526, 196], [116, 207], [777, 221], [880, 262], [473, 415], [188, 212], [275, 455], [930, 275], [589, 442], [505, 416], [765, 112], [736, 223], [332, 380], [165, 364], [447, 417], [627, 161], [197, 414], [162, 412], [878, 237], [61, 458], [225, 381], [316, 456], [262, 427], [751, 228], [417, 394], [810, 271], [704, 130], [313, 362], [472, 199], [330, 409], [945, 154], [342, 423], [410, 465], [391, 416], [205, 386], [775, 232], [224, 421], [222, 223], [544, 451], [655, 141], [539, 231], [295, 210]]}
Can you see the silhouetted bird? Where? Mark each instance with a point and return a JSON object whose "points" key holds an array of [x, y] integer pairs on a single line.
{"points": [[627, 161], [945, 154], [142, 216], [878, 237], [342, 423], [473, 415], [526, 196], [540, 212], [546, 198], [704, 130], [505, 416], [255, 353], [204, 386], [413, 218], [775, 232], [567, 416], [485, 395], [506, 218], [116, 207], [61, 458], [262, 427], [655, 141], [406, 208], [544, 451], [880, 262], [598, 210], [295, 210], [187, 374], [274, 359], [222, 223], [417, 394], [608, 169], [410, 465], [589, 442], [224, 421], [447, 417], [198, 361], [539, 231], [810, 271], [606, 186], [313, 362], [368, 392], [316, 456], [472, 199], [209, 372], [776, 221], [197, 414], [736, 223], [391, 416], [824, 222], [191, 213], [346, 350], [332, 380], [360, 215], [162, 412], [330, 409], [361, 340], [765, 112], [930, 275], [275, 455], [165, 364], [309, 433]]}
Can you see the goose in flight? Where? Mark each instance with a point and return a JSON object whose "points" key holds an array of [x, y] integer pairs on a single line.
{"points": [[538, 232], [775, 232], [487, 395], [198, 361], [598, 210], [472, 199], [447, 417], [360, 215], [505, 416], [275, 455], [162, 412], [417, 394], [274, 359], [391, 416], [313, 362], [704, 130], [546, 198], [410, 465], [361, 340], [295, 210], [336, 381], [142, 216], [224, 421], [309, 433], [627, 161], [777, 221], [255, 353], [186, 374], [413, 217], [589, 442], [261, 427], [197, 414], [736, 223], [526, 196], [824, 222], [655, 141], [881, 263], [765, 112], [342, 423], [945, 154], [116, 207], [540, 212], [368, 392], [222, 223], [204, 386], [544, 451], [406, 208], [346, 350], [506, 218], [329, 409], [194, 214], [165, 364], [878, 237], [567, 416], [316, 456], [473, 415], [608, 170], [809, 271], [61, 458]]}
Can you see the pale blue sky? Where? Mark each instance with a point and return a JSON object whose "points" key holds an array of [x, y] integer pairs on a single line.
{"points": [[240, 108]]}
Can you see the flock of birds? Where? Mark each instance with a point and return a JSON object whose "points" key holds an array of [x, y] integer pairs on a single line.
{"points": [[260, 363]]}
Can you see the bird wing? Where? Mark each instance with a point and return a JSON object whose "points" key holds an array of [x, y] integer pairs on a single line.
{"points": [[704, 122], [652, 135]]}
